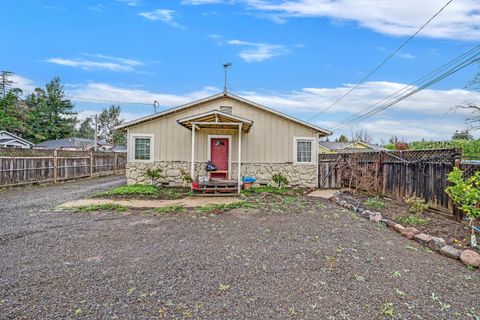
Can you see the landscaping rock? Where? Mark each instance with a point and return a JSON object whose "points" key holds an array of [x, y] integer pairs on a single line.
{"points": [[470, 258], [375, 217], [423, 238], [436, 243], [451, 252], [399, 227], [409, 232], [389, 223]]}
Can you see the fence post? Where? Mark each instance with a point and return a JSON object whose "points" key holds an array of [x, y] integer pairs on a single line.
{"points": [[91, 164], [114, 163], [457, 159], [380, 172], [55, 166]]}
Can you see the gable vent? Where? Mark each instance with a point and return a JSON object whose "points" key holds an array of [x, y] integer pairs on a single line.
{"points": [[226, 109]]}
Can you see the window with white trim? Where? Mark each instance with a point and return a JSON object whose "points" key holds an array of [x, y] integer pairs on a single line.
{"points": [[142, 148], [304, 149]]}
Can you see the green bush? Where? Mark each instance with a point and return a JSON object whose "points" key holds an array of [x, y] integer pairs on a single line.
{"points": [[465, 192], [416, 205], [470, 148], [280, 180], [154, 174]]}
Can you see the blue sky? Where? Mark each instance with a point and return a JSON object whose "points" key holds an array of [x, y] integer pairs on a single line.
{"points": [[296, 56]]}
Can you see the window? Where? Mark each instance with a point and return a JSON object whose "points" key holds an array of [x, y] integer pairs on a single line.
{"points": [[141, 147], [304, 150]]}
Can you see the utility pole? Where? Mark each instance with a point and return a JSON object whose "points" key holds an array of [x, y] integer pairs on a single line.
{"points": [[225, 67], [95, 133], [5, 83]]}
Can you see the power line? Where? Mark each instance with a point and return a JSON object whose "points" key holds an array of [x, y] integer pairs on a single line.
{"points": [[382, 63], [98, 100], [392, 101], [472, 52]]}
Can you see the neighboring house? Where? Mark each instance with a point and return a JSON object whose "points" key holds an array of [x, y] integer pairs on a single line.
{"points": [[347, 147], [75, 144], [9, 140], [119, 148], [227, 130]]}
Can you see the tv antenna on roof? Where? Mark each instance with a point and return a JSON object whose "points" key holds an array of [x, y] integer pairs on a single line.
{"points": [[225, 68]]}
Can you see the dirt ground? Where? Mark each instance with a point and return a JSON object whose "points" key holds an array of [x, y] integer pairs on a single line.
{"points": [[440, 224], [291, 258]]}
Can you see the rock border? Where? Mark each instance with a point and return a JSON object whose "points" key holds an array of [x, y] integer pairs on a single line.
{"points": [[467, 257]]}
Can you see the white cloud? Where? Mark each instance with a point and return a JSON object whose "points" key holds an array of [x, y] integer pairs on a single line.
{"points": [[102, 62], [459, 20], [131, 3], [164, 15], [256, 52], [426, 115], [200, 2], [22, 83]]}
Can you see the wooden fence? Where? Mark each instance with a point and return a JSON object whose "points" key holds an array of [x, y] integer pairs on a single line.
{"points": [[23, 166], [397, 174]]}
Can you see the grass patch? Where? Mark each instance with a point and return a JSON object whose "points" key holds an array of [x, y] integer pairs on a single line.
{"points": [[102, 207], [272, 189], [375, 202], [133, 189], [170, 209], [218, 208], [412, 220]]}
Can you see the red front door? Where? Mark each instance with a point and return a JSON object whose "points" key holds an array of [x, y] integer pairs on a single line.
{"points": [[219, 156]]}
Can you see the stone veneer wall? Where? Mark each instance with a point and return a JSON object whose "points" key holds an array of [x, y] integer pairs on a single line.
{"points": [[297, 175]]}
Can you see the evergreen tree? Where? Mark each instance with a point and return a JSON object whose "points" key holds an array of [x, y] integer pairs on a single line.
{"points": [[50, 116], [86, 129], [462, 135], [108, 119], [342, 138], [12, 112]]}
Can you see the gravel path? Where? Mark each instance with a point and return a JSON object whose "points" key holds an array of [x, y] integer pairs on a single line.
{"points": [[313, 262]]}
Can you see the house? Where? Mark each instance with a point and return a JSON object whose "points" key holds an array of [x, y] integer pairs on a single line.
{"points": [[75, 144], [347, 147], [231, 132], [9, 140]]}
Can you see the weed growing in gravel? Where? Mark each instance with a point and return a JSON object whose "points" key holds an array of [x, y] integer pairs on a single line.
{"points": [[219, 208], [400, 293], [272, 189], [78, 312], [130, 290], [412, 248], [387, 310], [413, 220], [170, 209], [331, 261], [102, 207], [375, 202], [222, 288], [443, 306], [396, 274], [359, 278], [292, 311]]}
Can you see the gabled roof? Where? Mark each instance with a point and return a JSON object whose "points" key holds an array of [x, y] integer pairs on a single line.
{"points": [[72, 142], [215, 119], [332, 145], [15, 137], [217, 97]]}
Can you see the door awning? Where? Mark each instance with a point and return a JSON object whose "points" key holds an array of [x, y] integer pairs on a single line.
{"points": [[216, 119]]}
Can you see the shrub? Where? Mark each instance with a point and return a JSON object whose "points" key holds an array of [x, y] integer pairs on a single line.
{"points": [[416, 205], [465, 192], [375, 202], [280, 180], [154, 174]]}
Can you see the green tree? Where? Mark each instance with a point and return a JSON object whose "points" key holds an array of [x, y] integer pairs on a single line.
{"points": [[12, 112], [50, 115], [108, 119], [86, 129], [462, 135], [342, 138]]}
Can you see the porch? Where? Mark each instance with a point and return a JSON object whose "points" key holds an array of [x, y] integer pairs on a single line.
{"points": [[219, 150]]}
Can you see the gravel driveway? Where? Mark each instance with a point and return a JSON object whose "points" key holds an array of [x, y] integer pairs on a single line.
{"points": [[315, 262]]}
